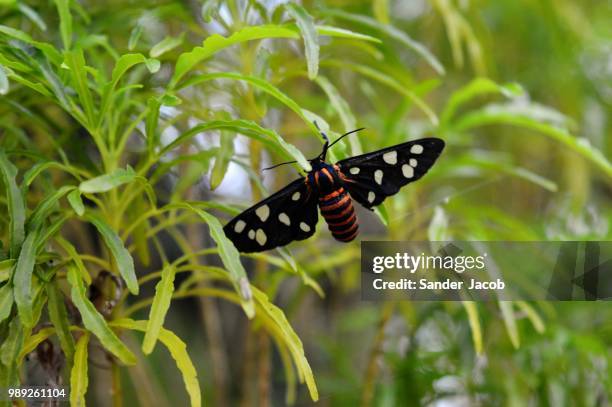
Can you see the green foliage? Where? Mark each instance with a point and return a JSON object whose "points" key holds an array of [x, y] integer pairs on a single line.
{"points": [[129, 132]]}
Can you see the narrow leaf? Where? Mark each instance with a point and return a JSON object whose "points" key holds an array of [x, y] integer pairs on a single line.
{"points": [[213, 44], [392, 32], [222, 160], [472, 311], [75, 201], [59, 318], [94, 321], [63, 8], [123, 258], [309, 33], [16, 206], [6, 301], [250, 129], [79, 380], [72, 252], [343, 33], [166, 45], [510, 322], [230, 258], [4, 83], [159, 308], [106, 182], [46, 207], [291, 339], [22, 279], [12, 345], [78, 69], [178, 351], [134, 37]]}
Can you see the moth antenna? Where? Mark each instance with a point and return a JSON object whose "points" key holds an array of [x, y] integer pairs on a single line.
{"points": [[346, 134], [278, 165]]}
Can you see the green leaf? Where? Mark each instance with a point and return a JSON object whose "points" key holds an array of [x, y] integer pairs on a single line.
{"points": [[134, 37], [123, 64], [123, 258], [11, 347], [438, 227], [533, 316], [213, 44], [6, 301], [509, 318], [343, 109], [477, 87], [391, 82], [260, 84], [381, 10], [78, 375], [166, 45], [22, 279], [504, 114], [291, 339], [106, 182], [95, 322], [309, 33], [4, 83], [472, 311], [49, 50], [32, 15], [343, 33], [6, 268], [75, 201], [230, 258], [75, 60], [46, 206], [63, 8], [59, 318], [159, 308], [222, 160], [250, 129], [178, 351], [16, 205], [72, 253], [392, 32]]}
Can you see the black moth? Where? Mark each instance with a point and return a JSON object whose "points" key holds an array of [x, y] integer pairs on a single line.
{"points": [[291, 213]]}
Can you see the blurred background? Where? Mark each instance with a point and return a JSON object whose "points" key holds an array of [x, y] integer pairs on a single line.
{"points": [[520, 90]]}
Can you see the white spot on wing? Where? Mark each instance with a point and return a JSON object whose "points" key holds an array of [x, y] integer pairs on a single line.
{"points": [[263, 212], [413, 162], [354, 170], [378, 176], [261, 237], [284, 218], [239, 226], [416, 149], [296, 195], [251, 234], [371, 196], [390, 157], [408, 171], [304, 227]]}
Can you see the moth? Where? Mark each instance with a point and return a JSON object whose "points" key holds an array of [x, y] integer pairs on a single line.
{"points": [[291, 213]]}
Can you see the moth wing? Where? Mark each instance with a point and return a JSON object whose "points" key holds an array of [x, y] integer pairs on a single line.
{"points": [[372, 177], [289, 214]]}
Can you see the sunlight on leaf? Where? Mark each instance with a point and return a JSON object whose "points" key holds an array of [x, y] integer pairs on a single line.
{"points": [[79, 374]]}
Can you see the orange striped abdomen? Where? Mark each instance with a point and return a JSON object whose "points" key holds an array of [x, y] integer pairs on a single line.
{"points": [[337, 209]]}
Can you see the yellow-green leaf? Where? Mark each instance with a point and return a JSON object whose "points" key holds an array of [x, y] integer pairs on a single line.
{"points": [[159, 308], [94, 321], [178, 351], [78, 375], [123, 258]]}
